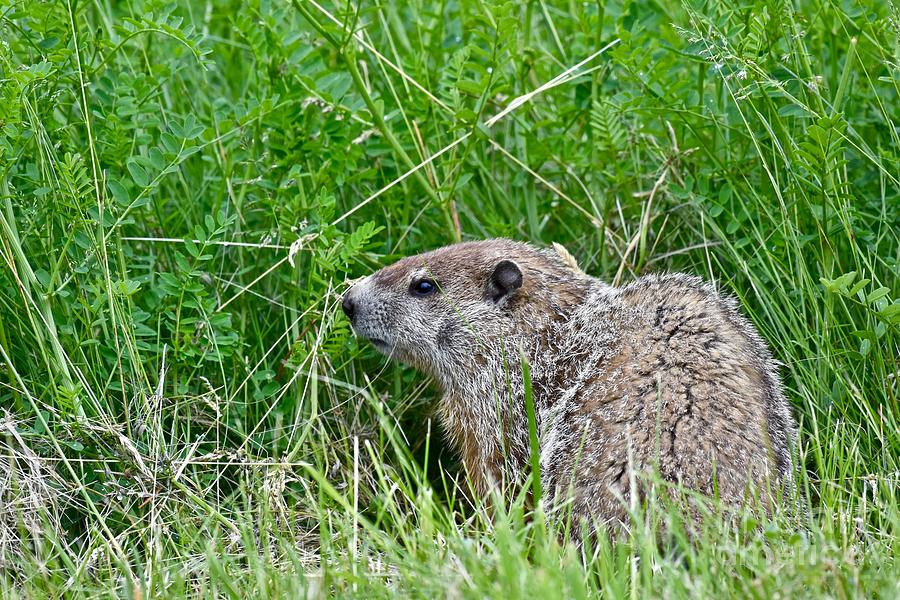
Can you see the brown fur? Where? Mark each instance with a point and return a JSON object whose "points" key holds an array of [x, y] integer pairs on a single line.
{"points": [[663, 374]]}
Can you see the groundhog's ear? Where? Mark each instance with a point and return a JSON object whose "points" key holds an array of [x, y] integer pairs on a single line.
{"points": [[504, 280]]}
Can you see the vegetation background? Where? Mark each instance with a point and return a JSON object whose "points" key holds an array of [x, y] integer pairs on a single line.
{"points": [[186, 189]]}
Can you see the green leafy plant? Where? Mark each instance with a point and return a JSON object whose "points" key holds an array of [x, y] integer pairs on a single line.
{"points": [[187, 189]]}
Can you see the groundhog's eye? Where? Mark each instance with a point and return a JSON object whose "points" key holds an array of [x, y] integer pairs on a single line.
{"points": [[423, 287]]}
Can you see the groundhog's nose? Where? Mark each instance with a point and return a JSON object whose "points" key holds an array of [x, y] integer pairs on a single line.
{"points": [[348, 305]]}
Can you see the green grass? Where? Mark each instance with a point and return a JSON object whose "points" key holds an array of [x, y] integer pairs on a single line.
{"points": [[187, 189]]}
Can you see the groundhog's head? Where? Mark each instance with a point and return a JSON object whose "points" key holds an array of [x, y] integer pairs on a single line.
{"points": [[439, 310]]}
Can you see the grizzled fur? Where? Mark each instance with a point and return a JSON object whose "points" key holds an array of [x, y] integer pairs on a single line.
{"points": [[661, 374]]}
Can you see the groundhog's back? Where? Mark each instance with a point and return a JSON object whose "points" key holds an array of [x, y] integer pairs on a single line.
{"points": [[684, 387]]}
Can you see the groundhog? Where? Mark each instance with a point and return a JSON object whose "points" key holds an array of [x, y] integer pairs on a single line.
{"points": [[662, 375]]}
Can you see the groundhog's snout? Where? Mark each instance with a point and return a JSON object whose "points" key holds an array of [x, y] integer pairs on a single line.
{"points": [[367, 316], [349, 305]]}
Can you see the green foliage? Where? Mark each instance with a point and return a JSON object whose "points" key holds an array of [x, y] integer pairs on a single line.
{"points": [[187, 188]]}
